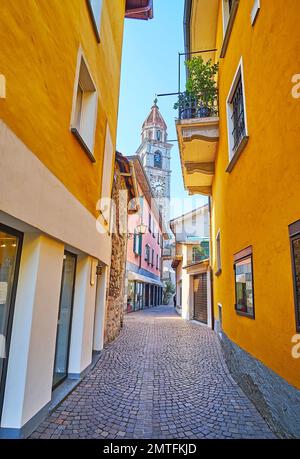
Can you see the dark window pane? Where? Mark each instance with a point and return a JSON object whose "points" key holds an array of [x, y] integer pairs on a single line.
{"points": [[8, 258], [244, 286], [158, 160], [64, 319], [238, 115], [296, 256]]}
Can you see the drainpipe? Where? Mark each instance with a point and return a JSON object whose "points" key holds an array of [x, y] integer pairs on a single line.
{"points": [[210, 265]]}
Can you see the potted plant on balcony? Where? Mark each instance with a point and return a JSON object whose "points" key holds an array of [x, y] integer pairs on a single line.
{"points": [[187, 104], [201, 89]]}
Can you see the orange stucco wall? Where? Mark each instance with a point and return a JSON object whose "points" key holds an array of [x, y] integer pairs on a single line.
{"points": [[255, 203], [38, 56]]}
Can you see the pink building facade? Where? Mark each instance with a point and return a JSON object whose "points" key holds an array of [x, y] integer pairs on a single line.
{"points": [[144, 251]]}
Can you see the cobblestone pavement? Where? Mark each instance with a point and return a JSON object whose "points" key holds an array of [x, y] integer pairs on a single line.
{"points": [[163, 378]]}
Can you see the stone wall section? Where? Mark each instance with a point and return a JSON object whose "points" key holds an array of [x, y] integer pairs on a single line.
{"points": [[116, 284], [276, 400]]}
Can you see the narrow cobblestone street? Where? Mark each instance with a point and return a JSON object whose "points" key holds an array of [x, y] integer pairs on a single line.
{"points": [[162, 378]]}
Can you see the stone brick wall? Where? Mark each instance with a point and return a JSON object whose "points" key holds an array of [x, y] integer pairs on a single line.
{"points": [[276, 400], [116, 286]]}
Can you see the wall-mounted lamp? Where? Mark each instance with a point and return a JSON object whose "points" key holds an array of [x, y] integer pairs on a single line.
{"points": [[142, 229], [139, 230]]}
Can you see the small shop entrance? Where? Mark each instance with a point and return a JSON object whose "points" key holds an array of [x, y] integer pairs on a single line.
{"points": [[200, 297]]}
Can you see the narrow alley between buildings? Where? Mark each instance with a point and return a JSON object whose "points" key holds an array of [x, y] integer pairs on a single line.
{"points": [[163, 378]]}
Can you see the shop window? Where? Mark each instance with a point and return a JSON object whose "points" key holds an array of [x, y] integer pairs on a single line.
{"points": [[64, 324], [10, 252], [130, 296], [294, 231], [244, 289]]}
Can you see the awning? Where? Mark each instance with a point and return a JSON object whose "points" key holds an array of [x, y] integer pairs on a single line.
{"points": [[146, 280]]}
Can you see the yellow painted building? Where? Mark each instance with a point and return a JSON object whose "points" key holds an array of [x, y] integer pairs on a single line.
{"points": [[245, 158], [59, 93]]}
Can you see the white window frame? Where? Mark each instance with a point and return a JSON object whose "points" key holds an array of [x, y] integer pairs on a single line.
{"points": [[218, 253], [95, 16], [85, 130], [228, 19], [147, 253], [233, 154], [254, 12], [225, 15], [137, 249]]}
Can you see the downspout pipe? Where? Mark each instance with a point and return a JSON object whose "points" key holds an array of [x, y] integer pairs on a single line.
{"points": [[186, 25], [186, 34]]}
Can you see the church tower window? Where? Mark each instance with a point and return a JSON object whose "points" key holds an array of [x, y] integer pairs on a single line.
{"points": [[157, 159]]}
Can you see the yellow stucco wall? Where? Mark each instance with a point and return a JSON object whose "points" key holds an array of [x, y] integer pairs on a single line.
{"points": [[255, 203], [38, 56]]}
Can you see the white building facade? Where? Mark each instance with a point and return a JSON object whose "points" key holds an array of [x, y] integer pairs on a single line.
{"points": [[191, 264]]}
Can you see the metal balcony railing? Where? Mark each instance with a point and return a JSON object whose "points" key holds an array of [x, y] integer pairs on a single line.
{"points": [[191, 107], [197, 258]]}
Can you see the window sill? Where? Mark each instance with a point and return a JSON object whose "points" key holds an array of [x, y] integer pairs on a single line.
{"points": [[76, 133], [219, 272], [244, 314], [237, 153], [229, 28]]}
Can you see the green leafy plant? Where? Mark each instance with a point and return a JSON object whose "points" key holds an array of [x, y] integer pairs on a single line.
{"points": [[201, 88], [169, 290]]}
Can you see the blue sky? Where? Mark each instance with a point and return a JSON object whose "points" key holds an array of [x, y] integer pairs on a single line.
{"points": [[149, 67]]}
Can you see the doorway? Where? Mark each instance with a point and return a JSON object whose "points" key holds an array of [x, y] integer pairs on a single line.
{"points": [[10, 254], [64, 323], [200, 297]]}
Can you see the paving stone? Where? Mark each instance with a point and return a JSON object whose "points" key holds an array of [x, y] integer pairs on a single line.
{"points": [[162, 378]]}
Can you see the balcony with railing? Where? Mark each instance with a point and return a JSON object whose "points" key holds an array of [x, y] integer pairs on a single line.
{"points": [[190, 107], [197, 125], [199, 253]]}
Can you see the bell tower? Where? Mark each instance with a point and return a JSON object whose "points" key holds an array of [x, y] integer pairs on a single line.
{"points": [[155, 153]]}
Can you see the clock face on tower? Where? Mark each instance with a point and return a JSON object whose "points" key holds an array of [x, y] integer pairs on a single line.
{"points": [[158, 186]]}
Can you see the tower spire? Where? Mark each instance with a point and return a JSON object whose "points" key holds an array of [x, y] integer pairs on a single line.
{"points": [[155, 152]]}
